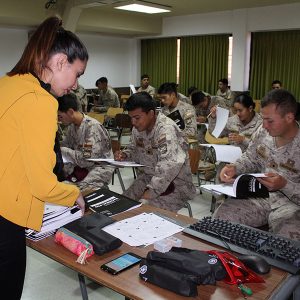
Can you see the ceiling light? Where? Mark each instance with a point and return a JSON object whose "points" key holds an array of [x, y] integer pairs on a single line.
{"points": [[143, 7]]}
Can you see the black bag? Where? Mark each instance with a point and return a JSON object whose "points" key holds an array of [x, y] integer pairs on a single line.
{"points": [[89, 228], [181, 270]]}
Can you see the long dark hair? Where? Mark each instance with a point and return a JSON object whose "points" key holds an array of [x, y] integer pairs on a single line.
{"points": [[48, 39]]}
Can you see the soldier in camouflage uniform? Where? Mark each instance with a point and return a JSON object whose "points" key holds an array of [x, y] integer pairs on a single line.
{"points": [[225, 92], [241, 126], [274, 150], [81, 95], [85, 138], [107, 96], [203, 103], [169, 97], [145, 86], [157, 143]]}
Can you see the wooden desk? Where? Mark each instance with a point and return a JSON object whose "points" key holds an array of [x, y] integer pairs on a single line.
{"points": [[131, 286]]}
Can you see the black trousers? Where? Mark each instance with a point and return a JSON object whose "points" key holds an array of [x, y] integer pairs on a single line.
{"points": [[12, 260]]}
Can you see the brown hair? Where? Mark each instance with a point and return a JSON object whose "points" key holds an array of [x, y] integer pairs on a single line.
{"points": [[48, 39]]}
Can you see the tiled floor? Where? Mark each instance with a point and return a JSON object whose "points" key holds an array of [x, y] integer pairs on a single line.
{"points": [[48, 280]]}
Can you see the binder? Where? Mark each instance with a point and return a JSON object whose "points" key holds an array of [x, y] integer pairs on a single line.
{"points": [[108, 202]]}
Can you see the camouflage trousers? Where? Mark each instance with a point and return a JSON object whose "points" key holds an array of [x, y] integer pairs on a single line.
{"points": [[172, 202], [283, 217]]}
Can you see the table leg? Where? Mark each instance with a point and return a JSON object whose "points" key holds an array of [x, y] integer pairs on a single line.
{"points": [[83, 287], [120, 179]]}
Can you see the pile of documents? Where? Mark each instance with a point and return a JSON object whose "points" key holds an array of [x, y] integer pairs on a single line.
{"points": [[55, 216]]}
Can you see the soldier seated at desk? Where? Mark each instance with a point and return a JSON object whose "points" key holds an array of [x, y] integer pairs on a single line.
{"points": [[85, 138], [275, 151], [241, 126], [107, 96], [82, 100], [167, 92], [158, 143]]}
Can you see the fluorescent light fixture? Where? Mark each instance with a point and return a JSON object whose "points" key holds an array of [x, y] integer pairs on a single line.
{"points": [[143, 7]]}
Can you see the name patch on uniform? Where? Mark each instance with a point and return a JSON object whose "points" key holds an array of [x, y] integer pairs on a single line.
{"points": [[261, 151], [289, 165]]}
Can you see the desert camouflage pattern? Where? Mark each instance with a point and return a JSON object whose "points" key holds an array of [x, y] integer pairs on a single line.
{"points": [[150, 90], [81, 95], [167, 173], [282, 209], [106, 99], [90, 140], [234, 125], [227, 95], [188, 114]]}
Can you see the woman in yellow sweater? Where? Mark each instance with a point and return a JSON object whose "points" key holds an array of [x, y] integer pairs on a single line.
{"points": [[50, 66]]}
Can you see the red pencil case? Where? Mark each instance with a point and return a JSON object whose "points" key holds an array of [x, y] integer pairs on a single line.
{"points": [[76, 244]]}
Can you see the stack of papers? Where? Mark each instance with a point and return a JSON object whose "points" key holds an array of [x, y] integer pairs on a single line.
{"points": [[55, 216]]}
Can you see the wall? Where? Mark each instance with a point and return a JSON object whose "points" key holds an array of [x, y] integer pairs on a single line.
{"points": [[116, 58], [240, 23], [13, 42]]}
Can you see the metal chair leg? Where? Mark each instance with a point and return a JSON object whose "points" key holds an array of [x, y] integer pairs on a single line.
{"points": [[188, 206]]}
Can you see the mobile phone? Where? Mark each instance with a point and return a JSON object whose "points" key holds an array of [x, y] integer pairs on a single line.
{"points": [[121, 263]]}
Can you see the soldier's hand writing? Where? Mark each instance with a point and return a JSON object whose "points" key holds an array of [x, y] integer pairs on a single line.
{"points": [[213, 111], [228, 173], [273, 181], [80, 202], [201, 119], [235, 137], [119, 155]]}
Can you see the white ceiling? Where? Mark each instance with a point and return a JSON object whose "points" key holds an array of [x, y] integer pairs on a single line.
{"points": [[101, 17]]}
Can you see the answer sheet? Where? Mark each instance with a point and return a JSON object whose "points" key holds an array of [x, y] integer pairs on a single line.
{"points": [[222, 118], [143, 229]]}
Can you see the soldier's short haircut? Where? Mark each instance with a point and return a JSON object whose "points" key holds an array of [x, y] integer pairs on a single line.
{"points": [[66, 102], [140, 100], [168, 88], [144, 76], [276, 81], [197, 98], [101, 80], [244, 99], [224, 81], [285, 102]]}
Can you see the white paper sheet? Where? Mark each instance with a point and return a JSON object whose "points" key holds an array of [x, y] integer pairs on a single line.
{"points": [[133, 90], [143, 229], [225, 153], [111, 161], [222, 118]]}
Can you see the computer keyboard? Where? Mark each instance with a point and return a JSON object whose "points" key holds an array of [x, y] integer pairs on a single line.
{"points": [[277, 251]]}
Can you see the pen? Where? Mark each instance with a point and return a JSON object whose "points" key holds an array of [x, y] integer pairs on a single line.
{"points": [[211, 112]]}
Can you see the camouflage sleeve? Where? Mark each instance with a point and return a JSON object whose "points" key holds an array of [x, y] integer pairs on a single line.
{"points": [[152, 92], [130, 150], [291, 190], [250, 162], [116, 102], [171, 158], [190, 123], [67, 138], [97, 144]]}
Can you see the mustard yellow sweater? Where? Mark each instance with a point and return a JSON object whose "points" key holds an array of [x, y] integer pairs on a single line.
{"points": [[28, 123]]}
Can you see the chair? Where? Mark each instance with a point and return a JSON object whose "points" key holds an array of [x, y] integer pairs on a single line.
{"points": [[99, 117], [124, 99], [194, 156], [122, 121], [257, 105], [110, 115]]}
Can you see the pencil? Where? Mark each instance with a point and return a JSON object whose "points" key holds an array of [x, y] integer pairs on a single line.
{"points": [[211, 112]]}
